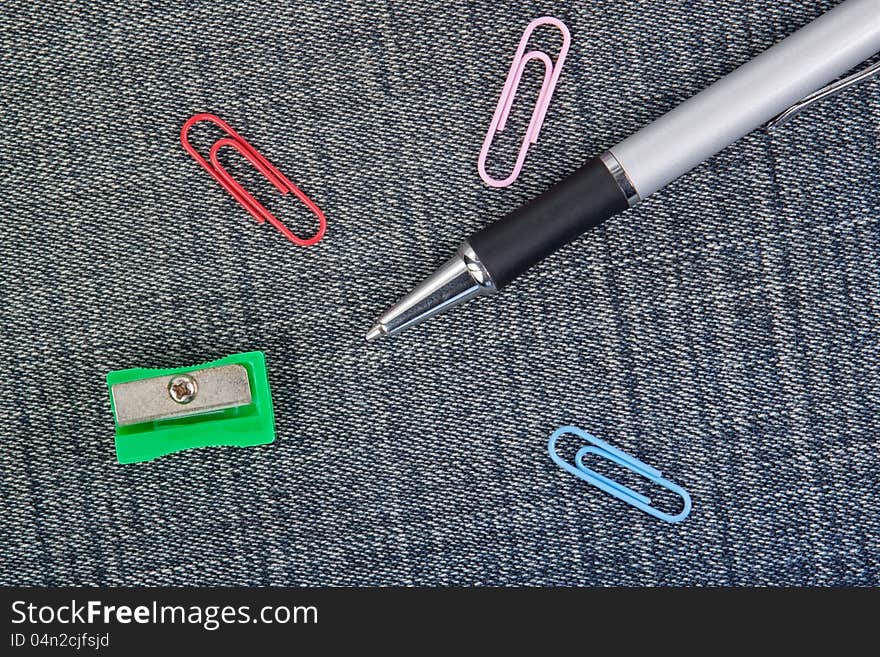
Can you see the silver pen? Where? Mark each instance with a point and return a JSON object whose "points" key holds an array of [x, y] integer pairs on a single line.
{"points": [[778, 83]]}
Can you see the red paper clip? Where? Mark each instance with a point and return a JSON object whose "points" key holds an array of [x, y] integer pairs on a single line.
{"points": [[257, 210]]}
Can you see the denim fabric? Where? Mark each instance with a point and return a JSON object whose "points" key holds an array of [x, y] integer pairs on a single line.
{"points": [[726, 331]]}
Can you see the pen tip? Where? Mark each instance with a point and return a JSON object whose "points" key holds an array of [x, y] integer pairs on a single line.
{"points": [[375, 333]]}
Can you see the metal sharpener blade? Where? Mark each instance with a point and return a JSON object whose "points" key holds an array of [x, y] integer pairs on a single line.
{"points": [[147, 400]]}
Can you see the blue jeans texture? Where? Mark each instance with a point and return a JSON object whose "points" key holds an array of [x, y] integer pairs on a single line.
{"points": [[726, 331]]}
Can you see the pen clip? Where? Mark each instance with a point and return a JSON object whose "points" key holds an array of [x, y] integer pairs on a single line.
{"points": [[829, 91]]}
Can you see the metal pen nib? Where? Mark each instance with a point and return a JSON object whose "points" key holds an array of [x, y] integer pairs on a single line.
{"points": [[463, 277], [376, 332]]}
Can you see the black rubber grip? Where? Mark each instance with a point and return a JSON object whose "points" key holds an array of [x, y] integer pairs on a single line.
{"points": [[530, 233]]}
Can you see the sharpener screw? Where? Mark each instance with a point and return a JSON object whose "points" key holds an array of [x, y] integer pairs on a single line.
{"points": [[183, 388]]}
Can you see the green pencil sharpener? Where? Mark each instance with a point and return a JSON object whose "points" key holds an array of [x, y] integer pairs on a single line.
{"points": [[226, 402]]}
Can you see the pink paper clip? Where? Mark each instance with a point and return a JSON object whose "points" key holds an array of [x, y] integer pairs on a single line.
{"points": [[502, 111], [256, 209]]}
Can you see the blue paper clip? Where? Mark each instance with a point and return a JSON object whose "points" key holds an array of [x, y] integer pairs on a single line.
{"points": [[610, 486]]}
